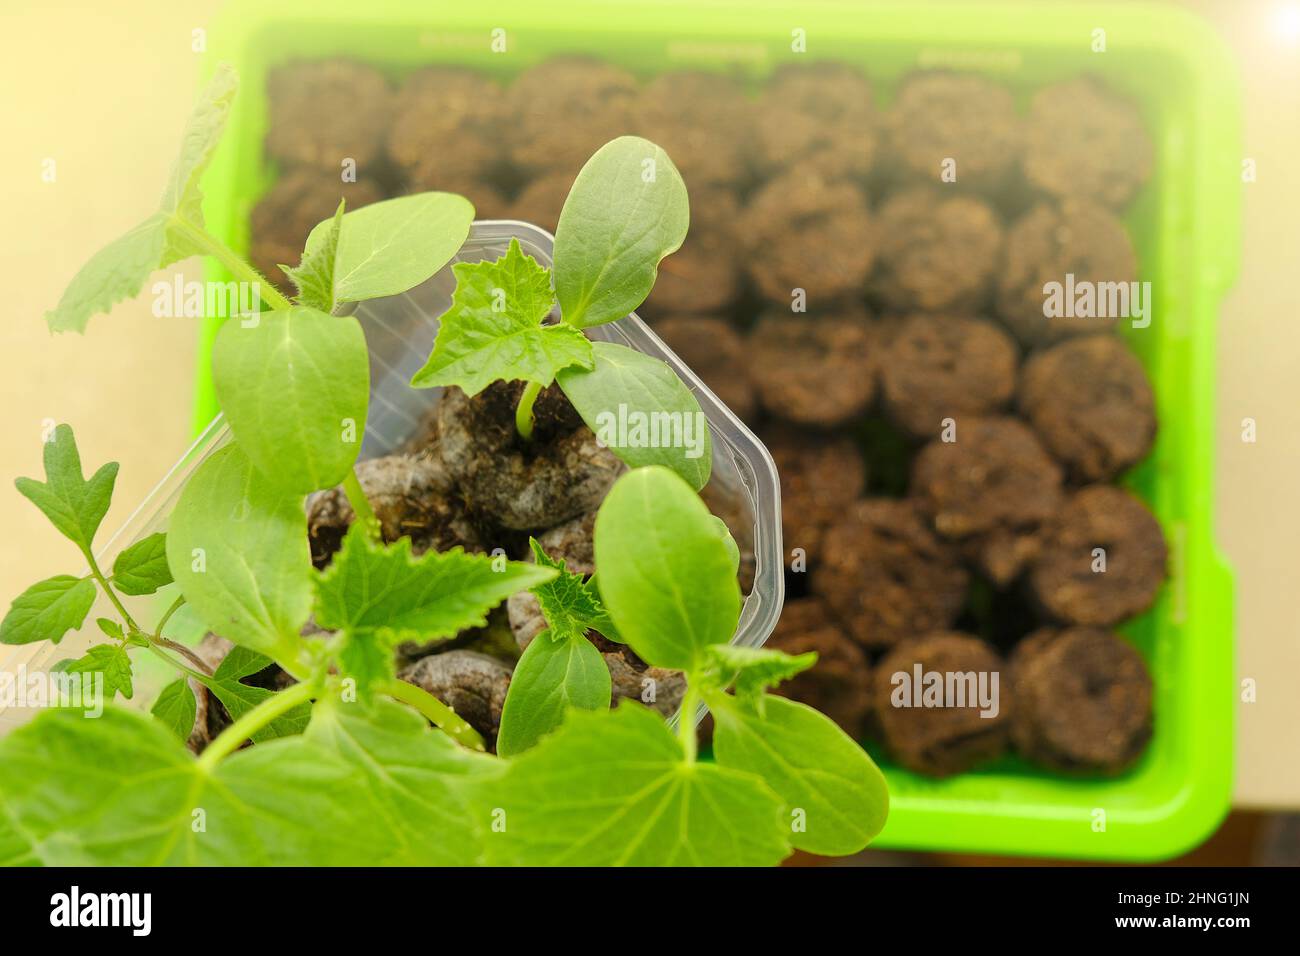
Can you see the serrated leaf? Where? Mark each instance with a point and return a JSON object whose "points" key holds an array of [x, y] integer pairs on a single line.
{"points": [[493, 329], [110, 628], [613, 788], [752, 670], [238, 549], [627, 210], [313, 277], [142, 568], [109, 660], [203, 130], [176, 707], [642, 411], [555, 673], [824, 778], [74, 505], [114, 274], [48, 610], [295, 388], [570, 604], [666, 576], [391, 246]]}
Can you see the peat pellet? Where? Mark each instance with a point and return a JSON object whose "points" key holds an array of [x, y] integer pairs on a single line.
{"points": [[1083, 140], [1062, 263], [541, 200], [809, 237], [821, 477], [940, 703], [1083, 701], [886, 576], [839, 684], [705, 275], [323, 113], [820, 114], [717, 354], [702, 120], [286, 215], [631, 678], [561, 473], [473, 685], [1102, 560], [938, 251], [958, 129], [815, 370], [1091, 403], [563, 110], [449, 127], [939, 367]]}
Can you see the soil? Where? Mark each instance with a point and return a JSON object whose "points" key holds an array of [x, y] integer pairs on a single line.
{"points": [[821, 477], [1083, 701], [947, 739], [283, 218], [541, 201], [705, 275], [972, 120], [806, 231], [702, 120], [1082, 140], [632, 679], [1062, 579], [717, 354], [821, 116], [815, 370], [1049, 242], [938, 251], [839, 684], [939, 367], [1091, 403], [473, 685], [324, 112], [521, 485], [886, 576]]}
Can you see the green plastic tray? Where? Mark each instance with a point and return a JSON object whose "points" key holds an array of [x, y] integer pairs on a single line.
{"points": [[1184, 226]]}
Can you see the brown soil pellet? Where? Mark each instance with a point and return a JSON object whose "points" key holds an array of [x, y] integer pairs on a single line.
{"points": [[938, 251], [564, 109], [324, 112], [815, 370], [702, 120], [633, 679], [1091, 403], [946, 739], [937, 116], [705, 275], [541, 201], [716, 353], [821, 477], [1083, 701], [938, 367], [473, 685], [822, 115], [449, 127], [1063, 580], [1082, 140], [886, 576], [806, 231], [1046, 244], [286, 215], [839, 684]]}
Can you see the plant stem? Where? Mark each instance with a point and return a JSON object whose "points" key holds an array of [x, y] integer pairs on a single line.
{"points": [[204, 679], [98, 575], [233, 262], [167, 616], [442, 716], [230, 739], [361, 505], [185, 652], [686, 722], [524, 411]]}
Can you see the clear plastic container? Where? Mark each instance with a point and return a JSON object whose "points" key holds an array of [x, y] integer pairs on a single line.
{"points": [[399, 332]]}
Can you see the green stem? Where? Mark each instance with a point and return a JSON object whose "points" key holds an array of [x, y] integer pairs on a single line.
{"points": [[442, 716], [230, 739], [233, 262], [204, 679], [686, 722], [361, 505], [184, 651], [524, 411], [98, 575], [167, 616]]}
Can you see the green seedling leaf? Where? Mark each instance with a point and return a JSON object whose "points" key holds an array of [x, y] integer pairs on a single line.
{"points": [[239, 698], [74, 505], [379, 596], [240, 662], [570, 604], [733, 549], [176, 707], [627, 210], [556, 673], [830, 787], [391, 246], [613, 788], [314, 276], [750, 671], [48, 610], [237, 546], [109, 660], [110, 628], [666, 576], [295, 388], [642, 411], [15, 850], [494, 329], [119, 270], [142, 568]]}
